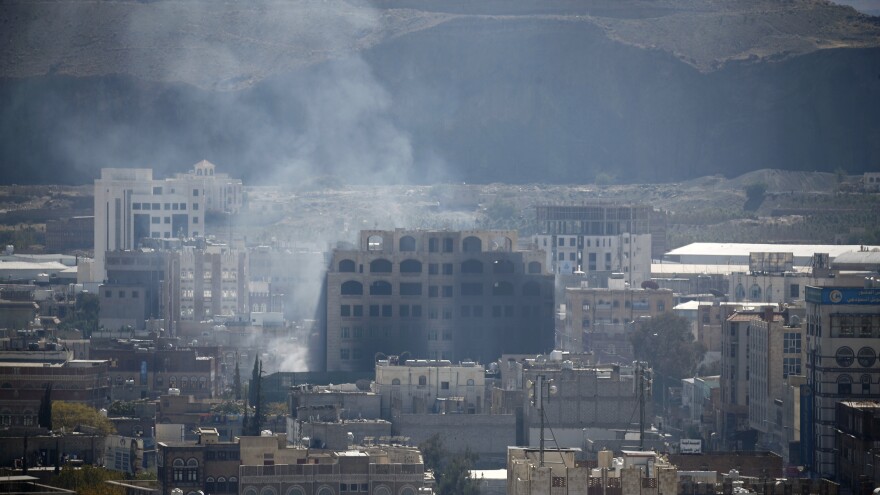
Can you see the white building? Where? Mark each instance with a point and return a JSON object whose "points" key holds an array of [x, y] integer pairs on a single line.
{"points": [[130, 205], [625, 253], [223, 194], [421, 386]]}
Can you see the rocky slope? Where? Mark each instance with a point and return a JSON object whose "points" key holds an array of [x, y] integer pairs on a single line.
{"points": [[411, 90]]}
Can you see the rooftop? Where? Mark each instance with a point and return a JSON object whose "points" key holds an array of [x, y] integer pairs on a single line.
{"points": [[743, 249]]}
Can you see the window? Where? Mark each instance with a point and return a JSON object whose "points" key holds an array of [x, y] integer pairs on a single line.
{"points": [[433, 269], [155, 220], [345, 332], [791, 343], [380, 266], [447, 291], [346, 266], [472, 245], [135, 294], [794, 291], [844, 385], [433, 291], [404, 310], [195, 219], [407, 243], [386, 311], [108, 294], [447, 245], [444, 385], [195, 192], [417, 310], [380, 288], [345, 310], [791, 366], [472, 289], [410, 266], [121, 294], [447, 268], [374, 310], [433, 245], [472, 266], [357, 310], [755, 292], [195, 206], [534, 267], [423, 380], [410, 289], [344, 354], [157, 191]]}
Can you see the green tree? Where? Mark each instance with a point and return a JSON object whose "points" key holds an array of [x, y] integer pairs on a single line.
{"points": [[88, 480], [667, 344], [432, 452], [69, 415], [44, 416], [452, 471], [85, 316], [121, 409], [236, 381], [455, 476]]}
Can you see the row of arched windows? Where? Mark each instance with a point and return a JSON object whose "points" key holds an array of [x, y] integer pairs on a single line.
{"points": [[382, 265], [383, 288], [221, 485]]}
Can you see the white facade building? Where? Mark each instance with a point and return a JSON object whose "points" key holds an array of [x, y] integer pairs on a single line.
{"points": [[131, 205], [625, 253]]}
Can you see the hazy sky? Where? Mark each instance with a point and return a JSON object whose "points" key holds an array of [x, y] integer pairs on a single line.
{"points": [[867, 6]]}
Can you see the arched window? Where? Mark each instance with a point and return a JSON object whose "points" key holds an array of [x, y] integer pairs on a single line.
{"points": [[740, 292], [395, 382], [210, 485], [325, 490], [534, 267], [472, 266], [408, 490], [423, 380], [531, 288], [471, 244], [769, 293], [502, 266], [380, 288], [380, 266], [407, 243], [192, 469], [268, 490], [232, 487], [755, 292], [221, 485], [346, 266], [352, 288], [178, 469], [250, 491], [295, 490], [410, 266], [382, 490], [375, 243], [502, 289]]}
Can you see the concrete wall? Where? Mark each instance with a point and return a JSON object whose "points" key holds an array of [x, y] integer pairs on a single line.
{"points": [[486, 435]]}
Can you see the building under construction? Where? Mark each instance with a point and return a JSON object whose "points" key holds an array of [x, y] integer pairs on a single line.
{"points": [[605, 219]]}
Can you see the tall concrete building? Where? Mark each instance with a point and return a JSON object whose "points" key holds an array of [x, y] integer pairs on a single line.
{"points": [[843, 331], [131, 205], [436, 295], [601, 237]]}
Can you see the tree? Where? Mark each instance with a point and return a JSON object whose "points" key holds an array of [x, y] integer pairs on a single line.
{"points": [[88, 480], [432, 452], [255, 424], [85, 316], [667, 344], [69, 415], [455, 476], [121, 409], [754, 195], [236, 381], [44, 416], [451, 470]]}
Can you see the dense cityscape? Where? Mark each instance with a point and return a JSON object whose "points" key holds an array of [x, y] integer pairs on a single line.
{"points": [[164, 342]]}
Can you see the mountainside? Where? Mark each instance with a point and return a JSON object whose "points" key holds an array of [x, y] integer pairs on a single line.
{"points": [[409, 90]]}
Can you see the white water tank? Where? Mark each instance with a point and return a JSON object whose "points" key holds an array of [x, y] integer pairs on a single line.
{"points": [[173, 391]]}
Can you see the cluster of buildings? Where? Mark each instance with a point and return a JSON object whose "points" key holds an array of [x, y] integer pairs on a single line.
{"points": [[517, 349]]}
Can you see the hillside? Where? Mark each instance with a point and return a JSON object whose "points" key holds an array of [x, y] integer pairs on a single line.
{"points": [[419, 91]]}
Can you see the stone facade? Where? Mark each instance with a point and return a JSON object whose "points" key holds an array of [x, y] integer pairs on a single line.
{"points": [[464, 295]]}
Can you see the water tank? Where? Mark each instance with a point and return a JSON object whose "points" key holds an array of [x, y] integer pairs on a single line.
{"points": [[173, 391], [556, 355], [567, 365], [10, 250]]}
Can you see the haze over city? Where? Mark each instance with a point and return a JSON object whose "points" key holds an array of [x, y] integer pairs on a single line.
{"points": [[300, 247]]}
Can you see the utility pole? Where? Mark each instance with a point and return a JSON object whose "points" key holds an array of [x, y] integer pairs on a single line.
{"points": [[640, 374]]}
